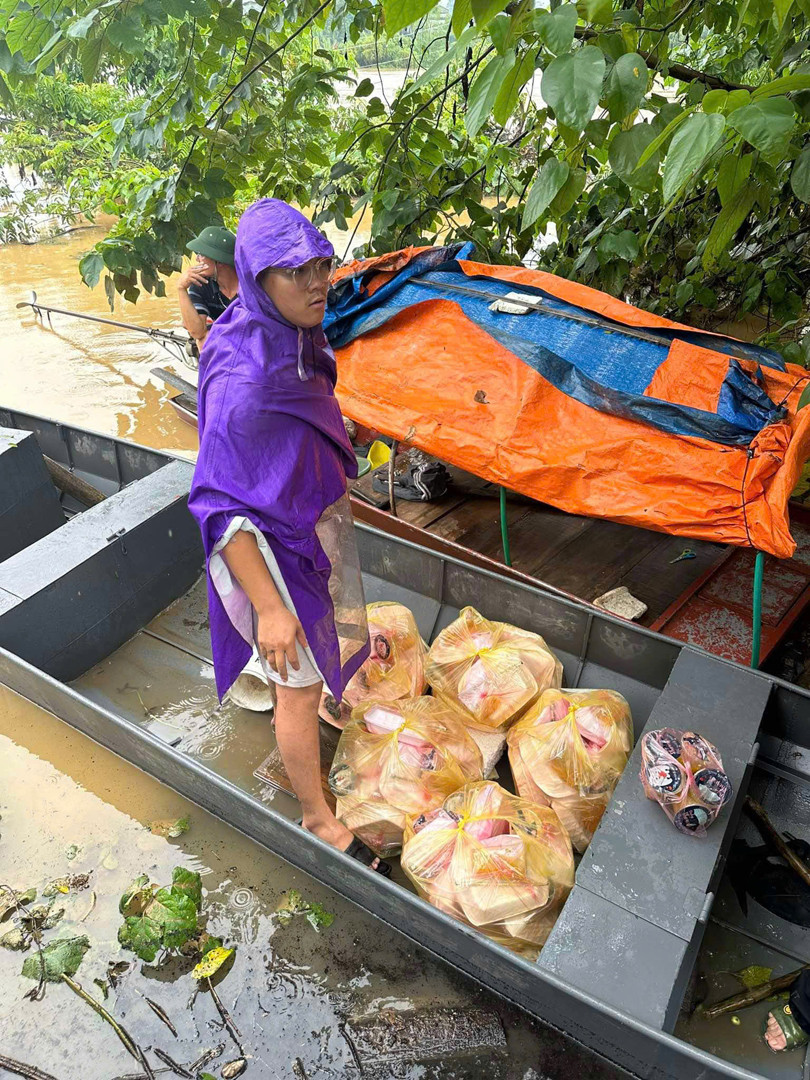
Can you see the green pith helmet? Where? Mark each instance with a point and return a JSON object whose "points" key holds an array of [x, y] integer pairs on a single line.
{"points": [[216, 242]]}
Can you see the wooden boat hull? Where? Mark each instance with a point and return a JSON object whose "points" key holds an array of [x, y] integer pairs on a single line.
{"points": [[615, 968]]}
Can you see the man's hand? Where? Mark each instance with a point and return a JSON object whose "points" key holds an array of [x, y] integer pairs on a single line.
{"points": [[278, 634], [194, 275]]}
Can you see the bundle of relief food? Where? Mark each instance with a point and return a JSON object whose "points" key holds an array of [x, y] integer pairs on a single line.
{"points": [[494, 861], [490, 670], [398, 758], [395, 667], [683, 773], [569, 751]]}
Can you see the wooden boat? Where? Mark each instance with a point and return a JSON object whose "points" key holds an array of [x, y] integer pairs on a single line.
{"points": [[103, 622], [704, 599]]}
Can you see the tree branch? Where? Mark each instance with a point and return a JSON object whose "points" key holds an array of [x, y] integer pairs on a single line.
{"points": [[675, 71]]}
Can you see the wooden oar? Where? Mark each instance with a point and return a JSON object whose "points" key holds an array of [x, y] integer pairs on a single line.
{"points": [[72, 484]]}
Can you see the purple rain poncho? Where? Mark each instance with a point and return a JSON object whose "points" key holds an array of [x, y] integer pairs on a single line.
{"points": [[274, 450]]}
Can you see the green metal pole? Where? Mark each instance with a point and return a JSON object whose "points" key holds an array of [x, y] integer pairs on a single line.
{"points": [[759, 567], [507, 555]]}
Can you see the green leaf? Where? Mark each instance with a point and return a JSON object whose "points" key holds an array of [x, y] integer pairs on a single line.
{"points": [[626, 85], [6, 95], [438, 67], [714, 101], [484, 91], [60, 958], [137, 896], [732, 174], [484, 10], [551, 176], [657, 143], [364, 88], [598, 12], [10, 899], [211, 962], [753, 976], [556, 28], [170, 829], [621, 245], [626, 151], [730, 218], [462, 14], [689, 147], [90, 268], [784, 85], [80, 27], [401, 13], [765, 124], [781, 9], [90, 56], [568, 193], [800, 176], [188, 882], [511, 86], [572, 85], [805, 398]]}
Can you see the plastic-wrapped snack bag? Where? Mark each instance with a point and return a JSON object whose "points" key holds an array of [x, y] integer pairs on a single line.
{"points": [[394, 669], [491, 670], [398, 758], [494, 861], [683, 773], [569, 751]]}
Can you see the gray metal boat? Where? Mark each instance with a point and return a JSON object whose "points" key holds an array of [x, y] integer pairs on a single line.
{"points": [[103, 622]]}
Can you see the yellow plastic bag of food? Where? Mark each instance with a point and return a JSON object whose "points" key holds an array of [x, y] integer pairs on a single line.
{"points": [[395, 668], [490, 670], [494, 861], [397, 758], [569, 751]]}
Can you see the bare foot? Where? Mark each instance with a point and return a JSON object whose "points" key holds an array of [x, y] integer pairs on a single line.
{"points": [[774, 1036], [334, 833]]}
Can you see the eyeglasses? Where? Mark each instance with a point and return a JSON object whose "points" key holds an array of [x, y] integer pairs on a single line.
{"points": [[320, 270]]}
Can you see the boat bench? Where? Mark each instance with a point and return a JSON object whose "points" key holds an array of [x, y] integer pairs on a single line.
{"points": [[72, 597], [631, 929], [29, 504]]}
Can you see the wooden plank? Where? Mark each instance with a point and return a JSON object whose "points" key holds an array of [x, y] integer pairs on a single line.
{"points": [[597, 560], [476, 524], [657, 581]]}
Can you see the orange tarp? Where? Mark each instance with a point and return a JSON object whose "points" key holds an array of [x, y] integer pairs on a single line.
{"points": [[432, 378]]}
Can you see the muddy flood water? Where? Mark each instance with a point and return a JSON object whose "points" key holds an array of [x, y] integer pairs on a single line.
{"points": [[70, 809]]}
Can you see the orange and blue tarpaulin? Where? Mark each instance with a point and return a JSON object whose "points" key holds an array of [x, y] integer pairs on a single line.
{"points": [[583, 402]]}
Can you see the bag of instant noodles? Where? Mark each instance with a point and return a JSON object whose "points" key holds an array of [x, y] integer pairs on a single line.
{"points": [[568, 752], [494, 861], [490, 670], [397, 758]]}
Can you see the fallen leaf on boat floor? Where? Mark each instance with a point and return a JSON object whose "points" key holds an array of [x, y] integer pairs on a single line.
{"points": [[754, 975]]}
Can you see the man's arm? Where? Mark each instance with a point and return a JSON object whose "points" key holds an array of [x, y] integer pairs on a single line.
{"points": [[193, 320]]}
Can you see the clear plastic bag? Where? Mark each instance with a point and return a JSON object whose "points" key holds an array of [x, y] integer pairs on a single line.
{"points": [[683, 773], [569, 751], [490, 670], [494, 861], [398, 758], [394, 669]]}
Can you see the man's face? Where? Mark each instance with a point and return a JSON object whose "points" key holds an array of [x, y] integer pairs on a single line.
{"points": [[207, 266]]}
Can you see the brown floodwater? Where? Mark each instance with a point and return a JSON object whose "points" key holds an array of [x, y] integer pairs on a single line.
{"points": [[85, 373], [70, 807]]}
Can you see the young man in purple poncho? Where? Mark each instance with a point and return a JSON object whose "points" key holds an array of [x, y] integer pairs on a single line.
{"points": [[269, 494]]}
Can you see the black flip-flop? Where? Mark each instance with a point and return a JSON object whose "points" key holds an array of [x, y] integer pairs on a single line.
{"points": [[363, 853]]}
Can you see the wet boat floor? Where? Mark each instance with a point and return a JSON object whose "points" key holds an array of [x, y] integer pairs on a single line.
{"points": [[163, 680]]}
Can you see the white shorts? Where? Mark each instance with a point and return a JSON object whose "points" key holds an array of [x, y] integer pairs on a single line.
{"points": [[243, 615]]}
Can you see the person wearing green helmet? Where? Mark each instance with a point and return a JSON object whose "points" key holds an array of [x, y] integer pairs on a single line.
{"points": [[209, 285]]}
